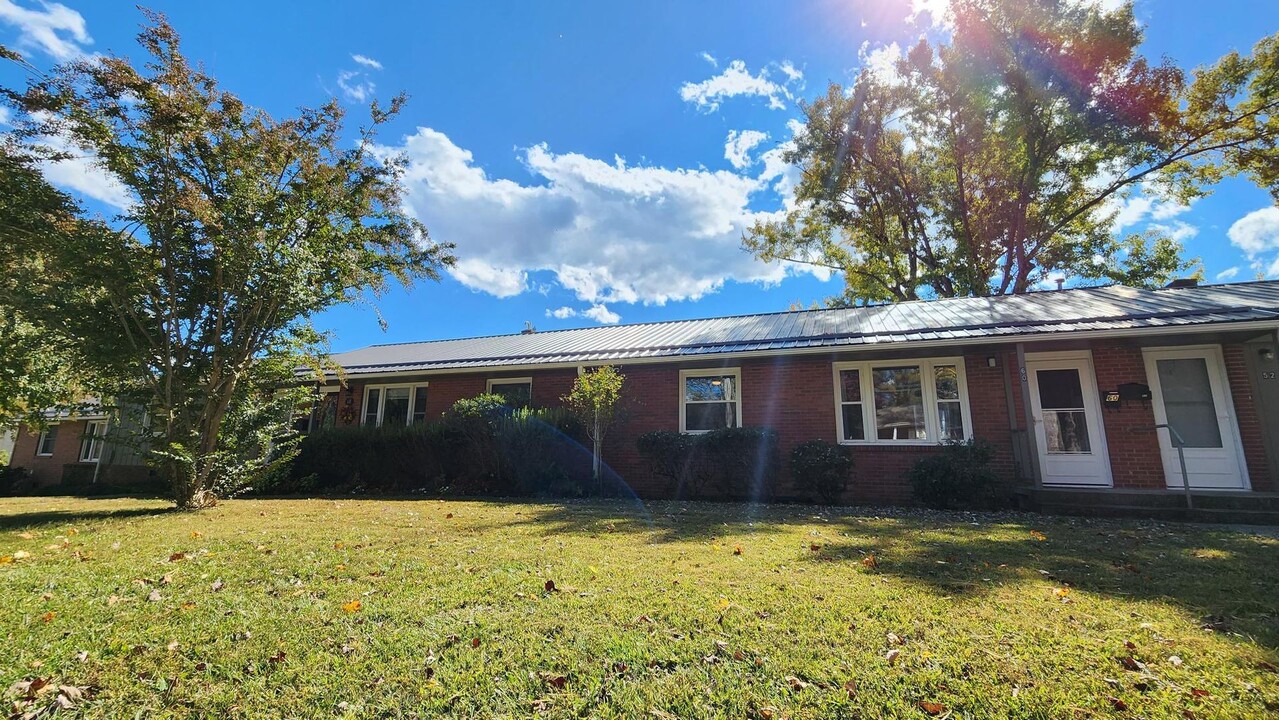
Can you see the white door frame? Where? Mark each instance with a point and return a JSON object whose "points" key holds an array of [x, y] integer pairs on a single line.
{"points": [[1070, 359], [1214, 356]]}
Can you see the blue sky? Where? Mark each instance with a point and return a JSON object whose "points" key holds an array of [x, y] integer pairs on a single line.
{"points": [[596, 162]]}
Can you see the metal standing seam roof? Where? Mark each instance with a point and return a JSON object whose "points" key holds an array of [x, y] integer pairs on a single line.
{"points": [[1113, 307]]}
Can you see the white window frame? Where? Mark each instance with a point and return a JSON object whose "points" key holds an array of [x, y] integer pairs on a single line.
{"points": [[44, 434], [735, 372], [381, 401], [928, 383], [95, 432], [488, 386]]}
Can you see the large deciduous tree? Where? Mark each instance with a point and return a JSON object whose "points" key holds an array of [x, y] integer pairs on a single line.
{"points": [[241, 228], [985, 163], [37, 370]]}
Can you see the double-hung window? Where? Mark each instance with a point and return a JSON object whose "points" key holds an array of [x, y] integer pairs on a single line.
{"points": [[902, 401], [709, 399], [44, 444], [91, 445], [516, 392], [394, 405]]}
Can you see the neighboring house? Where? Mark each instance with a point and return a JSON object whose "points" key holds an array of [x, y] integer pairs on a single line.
{"points": [[1067, 386], [1094, 370], [80, 448]]}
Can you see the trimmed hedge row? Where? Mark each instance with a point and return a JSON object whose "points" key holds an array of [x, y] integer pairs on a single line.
{"points": [[481, 447]]}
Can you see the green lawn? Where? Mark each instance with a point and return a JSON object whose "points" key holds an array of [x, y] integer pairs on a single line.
{"points": [[666, 610]]}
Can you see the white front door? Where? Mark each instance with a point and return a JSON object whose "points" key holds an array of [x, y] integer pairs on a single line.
{"points": [[1067, 419], [1188, 388]]}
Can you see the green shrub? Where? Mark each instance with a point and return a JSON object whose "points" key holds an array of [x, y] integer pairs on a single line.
{"points": [[479, 447], [14, 479], [821, 469], [742, 461], [959, 477], [669, 455], [737, 462], [489, 407]]}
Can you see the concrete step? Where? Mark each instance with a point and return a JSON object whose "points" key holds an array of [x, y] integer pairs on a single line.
{"points": [[1209, 506]]}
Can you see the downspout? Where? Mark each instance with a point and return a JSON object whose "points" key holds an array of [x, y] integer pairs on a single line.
{"points": [[1031, 439]]}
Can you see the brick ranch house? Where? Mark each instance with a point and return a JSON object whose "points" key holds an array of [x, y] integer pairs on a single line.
{"points": [[1067, 386]]}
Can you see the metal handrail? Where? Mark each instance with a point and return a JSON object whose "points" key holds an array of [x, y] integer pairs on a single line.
{"points": [[1180, 444]]}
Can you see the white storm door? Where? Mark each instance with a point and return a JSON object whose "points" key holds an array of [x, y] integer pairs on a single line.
{"points": [[1067, 420], [1188, 388]]}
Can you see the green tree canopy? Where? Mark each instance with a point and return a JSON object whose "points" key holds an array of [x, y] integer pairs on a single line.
{"points": [[983, 164], [242, 227], [37, 370]]}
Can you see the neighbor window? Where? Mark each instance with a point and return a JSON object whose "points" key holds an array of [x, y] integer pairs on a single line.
{"points": [[516, 392], [44, 445], [91, 445], [709, 400], [901, 401], [394, 405]]}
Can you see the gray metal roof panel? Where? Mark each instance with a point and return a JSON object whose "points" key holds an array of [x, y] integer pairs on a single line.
{"points": [[1106, 308]]}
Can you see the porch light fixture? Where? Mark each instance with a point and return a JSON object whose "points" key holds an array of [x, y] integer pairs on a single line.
{"points": [[992, 362], [1267, 354]]}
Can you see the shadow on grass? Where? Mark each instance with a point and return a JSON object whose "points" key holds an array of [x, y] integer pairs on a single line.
{"points": [[1230, 579], [666, 521], [21, 521]]}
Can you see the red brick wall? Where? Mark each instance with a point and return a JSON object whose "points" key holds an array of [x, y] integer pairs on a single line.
{"points": [[795, 396], [1135, 461], [1249, 418], [66, 451]]}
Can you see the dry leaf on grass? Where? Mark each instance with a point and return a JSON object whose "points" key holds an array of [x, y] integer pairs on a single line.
{"points": [[932, 708], [795, 683], [353, 606]]}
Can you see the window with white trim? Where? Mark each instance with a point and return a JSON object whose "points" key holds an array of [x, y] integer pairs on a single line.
{"points": [[517, 392], [91, 444], [709, 399], [902, 401], [44, 444], [394, 405]]}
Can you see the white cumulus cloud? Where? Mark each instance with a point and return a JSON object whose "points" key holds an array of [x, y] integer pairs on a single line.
{"points": [[736, 80], [608, 231], [54, 29], [1228, 273], [599, 313], [1257, 235], [366, 61], [738, 146]]}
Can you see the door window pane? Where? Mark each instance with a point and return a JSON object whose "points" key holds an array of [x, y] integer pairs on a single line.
{"points": [[1060, 390], [899, 403], [395, 409], [370, 406], [1188, 401], [1066, 431]]}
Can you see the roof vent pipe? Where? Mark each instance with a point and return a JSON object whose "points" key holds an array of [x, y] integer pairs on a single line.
{"points": [[528, 328], [1183, 283]]}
